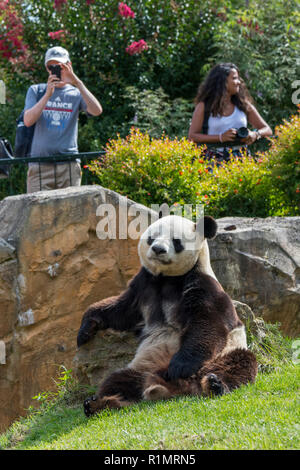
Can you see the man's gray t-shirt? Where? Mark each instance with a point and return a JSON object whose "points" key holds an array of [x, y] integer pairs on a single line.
{"points": [[57, 128]]}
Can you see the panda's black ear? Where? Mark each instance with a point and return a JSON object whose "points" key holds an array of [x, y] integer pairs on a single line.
{"points": [[210, 227]]}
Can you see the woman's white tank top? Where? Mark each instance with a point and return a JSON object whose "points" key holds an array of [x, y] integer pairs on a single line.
{"points": [[221, 124]]}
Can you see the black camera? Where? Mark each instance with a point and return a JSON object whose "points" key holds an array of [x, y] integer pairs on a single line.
{"points": [[242, 133], [55, 70]]}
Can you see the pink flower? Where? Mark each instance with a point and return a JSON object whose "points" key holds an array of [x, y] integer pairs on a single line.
{"points": [[125, 11], [3, 4], [89, 2], [60, 34], [59, 3], [11, 44], [137, 47]]}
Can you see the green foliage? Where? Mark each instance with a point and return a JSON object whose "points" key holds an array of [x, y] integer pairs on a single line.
{"points": [[271, 348], [63, 385], [263, 41], [156, 171], [178, 36], [151, 171], [16, 182], [156, 114], [284, 163]]}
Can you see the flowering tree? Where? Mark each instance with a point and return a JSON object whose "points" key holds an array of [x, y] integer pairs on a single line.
{"points": [[145, 44], [12, 46]]}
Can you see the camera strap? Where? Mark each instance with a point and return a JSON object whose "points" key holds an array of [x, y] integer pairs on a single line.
{"points": [[205, 120]]}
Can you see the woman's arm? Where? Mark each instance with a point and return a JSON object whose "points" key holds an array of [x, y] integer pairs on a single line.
{"points": [[195, 131], [256, 121]]}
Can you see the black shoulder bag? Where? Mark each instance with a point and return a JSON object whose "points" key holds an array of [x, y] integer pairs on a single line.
{"points": [[24, 135]]}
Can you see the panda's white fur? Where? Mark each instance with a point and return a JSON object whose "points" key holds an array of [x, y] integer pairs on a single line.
{"points": [[170, 263]]}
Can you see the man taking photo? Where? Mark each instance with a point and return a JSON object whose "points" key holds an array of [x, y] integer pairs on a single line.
{"points": [[55, 115]]}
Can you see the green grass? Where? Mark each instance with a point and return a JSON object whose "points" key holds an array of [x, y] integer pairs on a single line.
{"points": [[264, 415]]}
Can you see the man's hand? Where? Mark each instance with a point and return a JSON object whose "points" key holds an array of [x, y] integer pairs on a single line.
{"points": [[51, 85], [68, 75]]}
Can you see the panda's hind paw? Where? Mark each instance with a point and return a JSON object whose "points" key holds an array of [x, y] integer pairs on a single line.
{"points": [[212, 385]]}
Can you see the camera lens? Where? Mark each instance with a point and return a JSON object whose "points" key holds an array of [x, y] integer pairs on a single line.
{"points": [[242, 132]]}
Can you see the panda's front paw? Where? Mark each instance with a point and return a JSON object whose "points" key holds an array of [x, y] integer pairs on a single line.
{"points": [[86, 332], [180, 369]]}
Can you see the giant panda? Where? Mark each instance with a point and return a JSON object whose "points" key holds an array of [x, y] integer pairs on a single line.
{"points": [[192, 341]]}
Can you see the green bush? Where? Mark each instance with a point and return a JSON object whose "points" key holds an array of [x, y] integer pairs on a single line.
{"points": [[156, 171], [284, 164], [152, 171]]}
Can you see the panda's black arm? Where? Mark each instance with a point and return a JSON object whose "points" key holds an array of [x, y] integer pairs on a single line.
{"points": [[195, 349], [120, 313], [202, 319]]}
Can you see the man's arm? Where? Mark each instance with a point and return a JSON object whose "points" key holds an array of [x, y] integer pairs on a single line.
{"points": [[32, 114], [93, 106]]}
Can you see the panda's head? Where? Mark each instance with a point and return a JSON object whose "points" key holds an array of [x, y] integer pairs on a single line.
{"points": [[172, 245]]}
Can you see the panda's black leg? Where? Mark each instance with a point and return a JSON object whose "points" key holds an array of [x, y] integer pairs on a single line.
{"points": [[225, 373], [121, 388]]}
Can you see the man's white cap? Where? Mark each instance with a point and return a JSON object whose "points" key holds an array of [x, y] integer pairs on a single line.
{"points": [[57, 53]]}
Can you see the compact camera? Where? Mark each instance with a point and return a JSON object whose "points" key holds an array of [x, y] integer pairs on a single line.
{"points": [[55, 70]]}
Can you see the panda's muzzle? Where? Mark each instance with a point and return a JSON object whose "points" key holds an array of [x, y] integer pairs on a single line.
{"points": [[159, 250], [158, 253]]}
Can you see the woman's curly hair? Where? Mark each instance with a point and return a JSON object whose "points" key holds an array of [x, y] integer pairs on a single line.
{"points": [[213, 90]]}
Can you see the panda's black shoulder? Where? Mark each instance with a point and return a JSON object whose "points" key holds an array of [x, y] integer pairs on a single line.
{"points": [[203, 290], [141, 280], [205, 284]]}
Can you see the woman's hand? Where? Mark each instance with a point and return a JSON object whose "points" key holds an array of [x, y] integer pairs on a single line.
{"points": [[252, 137], [228, 136]]}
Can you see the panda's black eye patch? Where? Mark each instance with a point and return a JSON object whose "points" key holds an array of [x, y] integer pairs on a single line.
{"points": [[177, 245], [150, 240]]}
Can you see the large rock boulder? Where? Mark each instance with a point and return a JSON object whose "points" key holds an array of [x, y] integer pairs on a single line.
{"points": [[258, 262], [52, 267]]}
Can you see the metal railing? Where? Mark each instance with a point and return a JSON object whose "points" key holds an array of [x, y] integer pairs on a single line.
{"points": [[16, 182], [17, 170]]}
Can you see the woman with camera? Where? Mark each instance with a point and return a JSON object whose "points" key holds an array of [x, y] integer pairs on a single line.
{"points": [[222, 113]]}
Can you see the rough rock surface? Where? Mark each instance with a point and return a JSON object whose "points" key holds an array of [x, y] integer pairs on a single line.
{"points": [[52, 267], [258, 263]]}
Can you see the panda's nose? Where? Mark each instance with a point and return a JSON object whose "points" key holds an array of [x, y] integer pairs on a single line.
{"points": [[158, 250]]}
